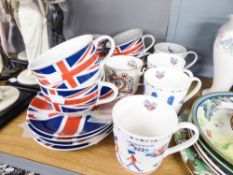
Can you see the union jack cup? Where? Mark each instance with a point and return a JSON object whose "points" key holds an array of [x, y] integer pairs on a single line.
{"points": [[72, 63], [132, 42], [81, 99]]}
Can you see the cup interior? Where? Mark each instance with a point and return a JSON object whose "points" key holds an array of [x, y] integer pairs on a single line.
{"points": [[166, 60], [152, 119], [167, 78], [170, 48], [123, 62], [60, 52], [127, 36]]}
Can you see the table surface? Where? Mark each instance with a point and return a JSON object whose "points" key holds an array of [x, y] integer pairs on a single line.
{"points": [[99, 159]]}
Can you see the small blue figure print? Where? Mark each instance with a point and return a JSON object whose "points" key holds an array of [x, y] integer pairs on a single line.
{"points": [[133, 160], [154, 94], [170, 100]]}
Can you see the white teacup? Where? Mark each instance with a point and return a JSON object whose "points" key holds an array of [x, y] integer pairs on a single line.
{"points": [[125, 72], [170, 85], [175, 49], [143, 127], [168, 60]]}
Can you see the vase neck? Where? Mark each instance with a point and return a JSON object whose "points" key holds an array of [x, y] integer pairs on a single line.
{"points": [[231, 17]]}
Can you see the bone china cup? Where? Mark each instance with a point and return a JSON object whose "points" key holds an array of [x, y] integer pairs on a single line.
{"points": [[175, 49], [71, 63], [170, 85], [125, 72], [143, 127], [167, 60], [81, 99], [132, 42]]}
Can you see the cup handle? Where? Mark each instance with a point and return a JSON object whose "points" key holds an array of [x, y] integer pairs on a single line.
{"points": [[195, 90], [111, 43], [195, 58], [144, 53], [110, 98], [143, 71], [187, 143]]}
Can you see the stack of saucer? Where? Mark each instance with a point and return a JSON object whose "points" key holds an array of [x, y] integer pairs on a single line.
{"points": [[63, 116]]}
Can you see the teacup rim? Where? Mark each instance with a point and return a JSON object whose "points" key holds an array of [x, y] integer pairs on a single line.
{"points": [[126, 31], [33, 64], [145, 137], [173, 69], [171, 43], [129, 56]]}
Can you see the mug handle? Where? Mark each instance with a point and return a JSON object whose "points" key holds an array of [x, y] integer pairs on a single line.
{"points": [[107, 99], [111, 43], [187, 143], [145, 53], [195, 58], [195, 90]]}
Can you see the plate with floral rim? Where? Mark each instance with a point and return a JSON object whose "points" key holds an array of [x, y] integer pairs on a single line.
{"points": [[190, 157], [213, 115]]}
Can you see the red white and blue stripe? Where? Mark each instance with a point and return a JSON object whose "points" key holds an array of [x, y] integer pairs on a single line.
{"points": [[74, 70], [134, 48]]}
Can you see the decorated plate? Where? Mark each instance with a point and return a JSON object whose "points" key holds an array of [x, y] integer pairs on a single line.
{"points": [[191, 158], [73, 147], [213, 115], [55, 125], [73, 142]]}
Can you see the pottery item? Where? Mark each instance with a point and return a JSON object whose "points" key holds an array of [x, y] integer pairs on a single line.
{"points": [[8, 96], [34, 34], [49, 124], [132, 42], [77, 100], [170, 85], [176, 49], [73, 147], [213, 115], [124, 72], [168, 60], [223, 59], [213, 157], [193, 161], [72, 142], [67, 61], [142, 136]]}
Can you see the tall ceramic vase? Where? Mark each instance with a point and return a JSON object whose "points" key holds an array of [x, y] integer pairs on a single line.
{"points": [[223, 59]]}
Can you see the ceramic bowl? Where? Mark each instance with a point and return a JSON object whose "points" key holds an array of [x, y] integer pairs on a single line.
{"points": [[213, 115]]}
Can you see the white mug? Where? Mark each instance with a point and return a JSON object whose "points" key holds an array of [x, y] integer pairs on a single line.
{"points": [[175, 49], [168, 60], [125, 72], [143, 128], [170, 85], [132, 42]]}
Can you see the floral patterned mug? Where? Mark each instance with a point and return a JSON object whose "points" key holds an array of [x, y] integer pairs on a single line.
{"points": [[143, 127]]}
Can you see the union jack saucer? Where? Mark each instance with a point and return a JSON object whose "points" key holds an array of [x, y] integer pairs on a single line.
{"points": [[66, 139], [71, 142], [73, 147]]}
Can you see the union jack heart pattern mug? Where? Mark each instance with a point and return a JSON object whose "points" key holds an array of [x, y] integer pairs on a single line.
{"points": [[72, 63], [132, 42], [142, 136], [176, 50], [124, 72], [168, 60], [171, 85]]}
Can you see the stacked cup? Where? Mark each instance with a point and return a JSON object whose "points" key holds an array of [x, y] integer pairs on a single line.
{"points": [[69, 75]]}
